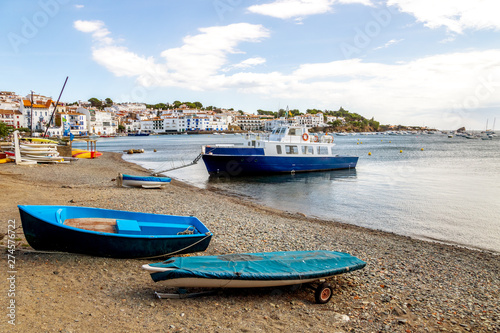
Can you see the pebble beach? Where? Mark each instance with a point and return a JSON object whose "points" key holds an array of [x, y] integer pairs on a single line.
{"points": [[408, 285]]}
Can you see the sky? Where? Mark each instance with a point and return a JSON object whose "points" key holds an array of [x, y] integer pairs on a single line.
{"points": [[412, 62]]}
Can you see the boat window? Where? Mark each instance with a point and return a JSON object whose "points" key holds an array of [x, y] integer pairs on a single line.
{"points": [[278, 149], [291, 149], [283, 130], [292, 131], [307, 150], [322, 150]]}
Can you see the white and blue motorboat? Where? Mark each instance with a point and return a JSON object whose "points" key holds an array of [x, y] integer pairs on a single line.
{"points": [[288, 149]]}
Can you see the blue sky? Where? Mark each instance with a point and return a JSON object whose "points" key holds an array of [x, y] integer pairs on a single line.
{"points": [[412, 62]]}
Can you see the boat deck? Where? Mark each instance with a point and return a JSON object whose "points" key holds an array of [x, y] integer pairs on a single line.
{"points": [[93, 224], [120, 226]]}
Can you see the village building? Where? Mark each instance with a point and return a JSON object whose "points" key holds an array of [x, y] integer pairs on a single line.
{"points": [[249, 122], [12, 118]]}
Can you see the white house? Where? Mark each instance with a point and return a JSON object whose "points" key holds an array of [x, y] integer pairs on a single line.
{"points": [[198, 123], [103, 123], [310, 120], [174, 124], [42, 112], [12, 118], [249, 122]]}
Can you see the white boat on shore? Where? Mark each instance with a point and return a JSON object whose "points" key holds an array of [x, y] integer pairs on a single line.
{"points": [[142, 181]]}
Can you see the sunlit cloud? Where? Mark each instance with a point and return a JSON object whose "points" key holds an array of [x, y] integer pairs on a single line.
{"points": [[454, 15], [297, 9], [389, 43], [394, 91], [97, 28]]}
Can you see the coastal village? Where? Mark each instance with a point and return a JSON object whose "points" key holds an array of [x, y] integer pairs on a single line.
{"points": [[82, 119], [105, 118], [69, 271]]}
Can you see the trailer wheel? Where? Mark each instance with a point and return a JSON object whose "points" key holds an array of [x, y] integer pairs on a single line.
{"points": [[323, 293]]}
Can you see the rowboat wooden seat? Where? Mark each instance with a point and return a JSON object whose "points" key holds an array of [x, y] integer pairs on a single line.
{"points": [[94, 224]]}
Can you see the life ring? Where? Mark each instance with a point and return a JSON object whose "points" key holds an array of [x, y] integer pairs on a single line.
{"points": [[316, 139], [305, 136]]}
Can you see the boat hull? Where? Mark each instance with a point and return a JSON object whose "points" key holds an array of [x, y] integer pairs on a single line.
{"points": [[43, 232], [80, 153], [142, 181], [253, 269], [242, 165]]}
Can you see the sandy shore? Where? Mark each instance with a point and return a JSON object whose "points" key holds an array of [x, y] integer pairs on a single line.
{"points": [[407, 286]]}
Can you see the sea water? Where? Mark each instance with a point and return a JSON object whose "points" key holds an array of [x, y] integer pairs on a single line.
{"points": [[423, 186]]}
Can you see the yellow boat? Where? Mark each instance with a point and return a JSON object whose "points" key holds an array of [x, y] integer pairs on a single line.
{"points": [[80, 153], [39, 140]]}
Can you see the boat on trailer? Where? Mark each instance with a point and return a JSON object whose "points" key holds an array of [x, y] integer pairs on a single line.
{"points": [[255, 270], [111, 233], [142, 181], [288, 149]]}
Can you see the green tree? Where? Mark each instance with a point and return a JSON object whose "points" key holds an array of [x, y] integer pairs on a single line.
{"points": [[109, 102], [336, 123], [95, 103], [266, 113], [198, 105], [4, 129]]}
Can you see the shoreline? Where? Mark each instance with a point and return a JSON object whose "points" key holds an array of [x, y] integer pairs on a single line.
{"points": [[252, 204], [408, 284]]}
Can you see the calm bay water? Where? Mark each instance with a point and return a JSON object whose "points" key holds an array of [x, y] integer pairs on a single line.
{"points": [[448, 192]]}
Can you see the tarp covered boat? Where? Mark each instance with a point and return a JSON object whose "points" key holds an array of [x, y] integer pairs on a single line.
{"points": [[142, 181], [252, 269], [112, 233]]}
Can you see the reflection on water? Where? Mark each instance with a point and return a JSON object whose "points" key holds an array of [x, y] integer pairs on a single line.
{"points": [[299, 178], [421, 186]]}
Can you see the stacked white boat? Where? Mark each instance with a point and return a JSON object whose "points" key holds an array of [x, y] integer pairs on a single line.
{"points": [[42, 151]]}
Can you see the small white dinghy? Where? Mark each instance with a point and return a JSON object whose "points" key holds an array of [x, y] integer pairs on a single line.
{"points": [[142, 181]]}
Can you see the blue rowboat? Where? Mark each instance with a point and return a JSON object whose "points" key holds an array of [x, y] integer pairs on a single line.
{"points": [[142, 181], [111, 233], [249, 270]]}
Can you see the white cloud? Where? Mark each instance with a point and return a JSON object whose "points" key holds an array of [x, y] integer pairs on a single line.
{"points": [[247, 63], [389, 43], [79, 6], [204, 54], [97, 28], [286, 9], [454, 15], [191, 66], [453, 82]]}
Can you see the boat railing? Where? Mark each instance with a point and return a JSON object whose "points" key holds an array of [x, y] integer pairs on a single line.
{"points": [[311, 138]]}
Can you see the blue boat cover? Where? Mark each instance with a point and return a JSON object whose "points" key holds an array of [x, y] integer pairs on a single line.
{"points": [[288, 265], [147, 178]]}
